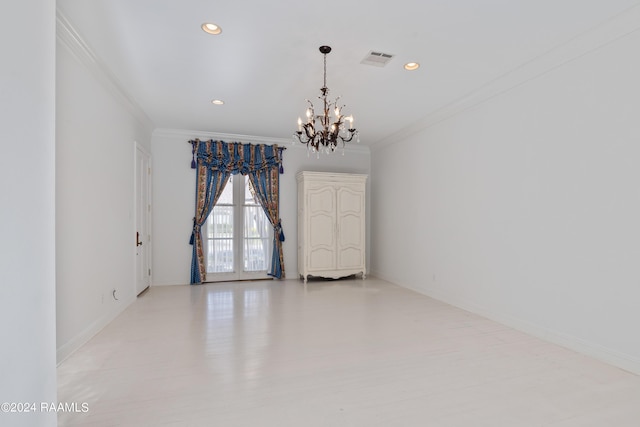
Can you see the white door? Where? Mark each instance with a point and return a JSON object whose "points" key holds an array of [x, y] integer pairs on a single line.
{"points": [[237, 236], [142, 219]]}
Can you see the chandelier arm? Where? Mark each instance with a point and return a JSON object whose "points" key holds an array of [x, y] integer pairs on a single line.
{"points": [[352, 133], [309, 131], [298, 134]]}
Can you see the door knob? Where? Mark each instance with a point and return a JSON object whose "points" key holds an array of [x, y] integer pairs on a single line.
{"points": [[138, 242]]}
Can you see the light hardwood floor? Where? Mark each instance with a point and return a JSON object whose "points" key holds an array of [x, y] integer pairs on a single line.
{"points": [[333, 353]]}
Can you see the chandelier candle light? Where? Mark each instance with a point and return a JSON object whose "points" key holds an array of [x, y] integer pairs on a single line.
{"points": [[327, 137]]}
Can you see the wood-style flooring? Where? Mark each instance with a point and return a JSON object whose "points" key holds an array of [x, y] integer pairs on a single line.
{"points": [[330, 354]]}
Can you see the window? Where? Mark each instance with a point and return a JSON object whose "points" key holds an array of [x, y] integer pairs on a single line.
{"points": [[237, 252]]}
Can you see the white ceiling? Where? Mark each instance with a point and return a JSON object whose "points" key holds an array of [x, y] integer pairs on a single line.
{"points": [[266, 61]]}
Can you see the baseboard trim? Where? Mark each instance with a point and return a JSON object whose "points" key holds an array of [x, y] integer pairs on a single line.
{"points": [[67, 349]]}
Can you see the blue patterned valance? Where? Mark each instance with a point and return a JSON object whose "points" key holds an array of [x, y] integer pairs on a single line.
{"points": [[235, 157]]}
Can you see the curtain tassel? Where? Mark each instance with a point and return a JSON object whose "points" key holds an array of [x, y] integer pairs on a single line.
{"points": [[279, 231], [280, 151], [192, 240]]}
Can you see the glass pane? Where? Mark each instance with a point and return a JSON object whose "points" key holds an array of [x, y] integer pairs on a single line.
{"points": [[226, 198], [257, 239], [248, 193], [222, 256], [222, 221], [255, 222], [219, 245], [210, 260], [208, 231], [256, 254], [219, 255]]}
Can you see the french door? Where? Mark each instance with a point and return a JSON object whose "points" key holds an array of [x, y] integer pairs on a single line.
{"points": [[237, 235]]}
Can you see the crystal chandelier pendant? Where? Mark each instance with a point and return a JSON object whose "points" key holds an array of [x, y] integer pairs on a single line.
{"points": [[318, 133]]}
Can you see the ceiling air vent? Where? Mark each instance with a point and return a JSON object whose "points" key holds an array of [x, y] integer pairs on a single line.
{"points": [[377, 59]]}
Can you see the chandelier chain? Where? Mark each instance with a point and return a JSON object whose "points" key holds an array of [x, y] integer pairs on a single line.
{"points": [[325, 70]]}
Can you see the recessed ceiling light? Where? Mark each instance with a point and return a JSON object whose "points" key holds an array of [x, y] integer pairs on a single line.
{"points": [[211, 28], [217, 102], [410, 66]]}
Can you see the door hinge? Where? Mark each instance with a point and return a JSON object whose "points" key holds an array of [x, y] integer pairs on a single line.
{"points": [[149, 272]]}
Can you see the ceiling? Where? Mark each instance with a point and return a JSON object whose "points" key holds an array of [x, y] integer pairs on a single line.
{"points": [[266, 61]]}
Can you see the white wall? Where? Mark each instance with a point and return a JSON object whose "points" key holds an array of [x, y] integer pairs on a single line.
{"points": [[174, 196], [96, 130], [526, 207], [27, 221]]}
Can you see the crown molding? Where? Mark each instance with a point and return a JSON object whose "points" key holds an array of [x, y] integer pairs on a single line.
{"points": [[70, 38], [206, 135], [613, 29], [188, 135]]}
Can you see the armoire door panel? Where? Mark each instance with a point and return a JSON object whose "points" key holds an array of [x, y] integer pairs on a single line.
{"points": [[322, 200], [350, 231], [350, 258], [322, 259], [321, 230], [350, 201]]}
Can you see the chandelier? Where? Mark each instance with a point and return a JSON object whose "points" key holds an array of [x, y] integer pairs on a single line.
{"points": [[318, 133]]}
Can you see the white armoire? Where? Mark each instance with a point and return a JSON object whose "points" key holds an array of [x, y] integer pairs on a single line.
{"points": [[331, 224]]}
